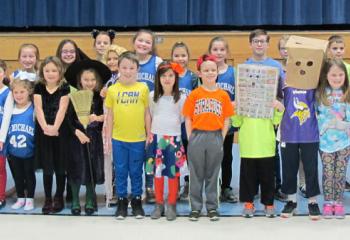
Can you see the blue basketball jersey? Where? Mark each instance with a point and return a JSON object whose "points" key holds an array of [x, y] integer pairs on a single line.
{"points": [[20, 137], [186, 83], [3, 95], [226, 81], [147, 72]]}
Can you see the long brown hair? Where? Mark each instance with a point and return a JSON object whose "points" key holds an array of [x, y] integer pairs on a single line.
{"points": [[158, 89], [57, 62], [323, 85]]}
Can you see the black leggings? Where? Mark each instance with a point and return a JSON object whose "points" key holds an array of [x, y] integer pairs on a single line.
{"points": [[60, 185], [24, 175]]}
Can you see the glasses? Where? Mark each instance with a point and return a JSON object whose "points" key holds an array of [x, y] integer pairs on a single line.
{"points": [[68, 51], [257, 41]]}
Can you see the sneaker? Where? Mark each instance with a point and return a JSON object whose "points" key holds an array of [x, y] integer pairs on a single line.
{"points": [[122, 208], [158, 211], [280, 196], [270, 211], [150, 197], [314, 211], [288, 209], [29, 204], [213, 215], [227, 195], [171, 212], [302, 190], [327, 211], [185, 192], [347, 186], [136, 206], [2, 203], [19, 203], [339, 211], [248, 210], [194, 215]]}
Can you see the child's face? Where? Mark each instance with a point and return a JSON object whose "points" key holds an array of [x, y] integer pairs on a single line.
{"points": [[167, 79], [143, 43], [102, 42], [51, 74], [20, 95], [128, 71], [180, 56], [112, 61], [259, 45], [208, 73], [219, 50], [337, 50], [336, 77], [68, 53], [283, 50], [88, 80], [27, 58]]}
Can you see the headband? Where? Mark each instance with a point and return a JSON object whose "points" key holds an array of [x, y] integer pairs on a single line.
{"points": [[174, 66], [205, 57]]}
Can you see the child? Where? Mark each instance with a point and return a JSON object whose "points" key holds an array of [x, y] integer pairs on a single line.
{"points": [[102, 40], [144, 46], [218, 47], [257, 149], [28, 57], [165, 149], [20, 144], [207, 110], [128, 117], [333, 98], [51, 101], [188, 81], [86, 75], [4, 91]]}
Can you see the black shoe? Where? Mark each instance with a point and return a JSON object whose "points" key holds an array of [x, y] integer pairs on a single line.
{"points": [[136, 206], [89, 210], [58, 204], [288, 209], [280, 196], [122, 208], [2, 203], [347, 186], [194, 215], [314, 211], [227, 195], [213, 215], [76, 211], [47, 208]]}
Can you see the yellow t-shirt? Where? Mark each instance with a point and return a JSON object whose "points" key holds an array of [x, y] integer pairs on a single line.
{"points": [[128, 103], [347, 65]]}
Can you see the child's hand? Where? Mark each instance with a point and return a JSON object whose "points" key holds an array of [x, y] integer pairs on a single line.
{"points": [[1, 146], [149, 139], [81, 136], [51, 131], [93, 118], [103, 92], [278, 105]]}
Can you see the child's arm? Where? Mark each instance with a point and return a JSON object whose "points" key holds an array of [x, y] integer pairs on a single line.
{"points": [[81, 136], [148, 121], [96, 118], [109, 128], [61, 112], [225, 127], [188, 124], [38, 105], [5, 124]]}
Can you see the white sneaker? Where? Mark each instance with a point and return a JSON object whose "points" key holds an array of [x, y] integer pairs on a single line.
{"points": [[29, 204], [19, 203]]}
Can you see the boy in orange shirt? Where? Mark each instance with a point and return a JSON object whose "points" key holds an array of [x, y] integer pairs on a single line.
{"points": [[207, 111]]}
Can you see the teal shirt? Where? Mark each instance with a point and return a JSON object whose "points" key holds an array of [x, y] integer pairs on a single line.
{"points": [[257, 137]]}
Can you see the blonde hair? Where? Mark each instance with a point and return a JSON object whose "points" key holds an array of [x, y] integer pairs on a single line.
{"points": [[25, 83], [57, 62], [283, 38], [113, 48], [36, 50]]}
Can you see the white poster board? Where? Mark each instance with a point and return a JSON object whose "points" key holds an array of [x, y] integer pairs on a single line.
{"points": [[256, 89]]}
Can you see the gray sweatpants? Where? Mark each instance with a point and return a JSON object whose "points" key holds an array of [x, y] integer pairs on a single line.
{"points": [[205, 153]]}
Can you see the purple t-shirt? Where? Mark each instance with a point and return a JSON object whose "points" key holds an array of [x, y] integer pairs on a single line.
{"points": [[299, 123]]}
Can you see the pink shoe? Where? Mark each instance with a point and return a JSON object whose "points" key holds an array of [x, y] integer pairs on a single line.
{"points": [[327, 210], [339, 211]]}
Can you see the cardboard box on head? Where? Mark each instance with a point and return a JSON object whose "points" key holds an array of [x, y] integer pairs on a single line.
{"points": [[305, 60]]}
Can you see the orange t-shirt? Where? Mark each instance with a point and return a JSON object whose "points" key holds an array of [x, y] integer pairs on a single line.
{"points": [[208, 109]]}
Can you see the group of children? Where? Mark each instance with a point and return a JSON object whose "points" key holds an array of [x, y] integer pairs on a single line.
{"points": [[159, 117]]}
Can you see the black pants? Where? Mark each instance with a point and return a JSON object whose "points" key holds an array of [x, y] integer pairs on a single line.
{"points": [[278, 178], [226, 165], [290, 167], [255, 172], [24, 175]]}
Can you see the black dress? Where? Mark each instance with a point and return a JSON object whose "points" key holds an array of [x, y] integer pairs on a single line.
{"points": [[78, 166], [51, 151]]}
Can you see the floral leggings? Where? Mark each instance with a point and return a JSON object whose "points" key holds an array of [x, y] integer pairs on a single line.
{"points": [[334, 173]]}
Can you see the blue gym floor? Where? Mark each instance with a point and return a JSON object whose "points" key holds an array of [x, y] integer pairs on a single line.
{"points": [[226, 209]]}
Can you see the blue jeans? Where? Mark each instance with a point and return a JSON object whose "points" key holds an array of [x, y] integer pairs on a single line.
{"points": [[128, 158]]}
